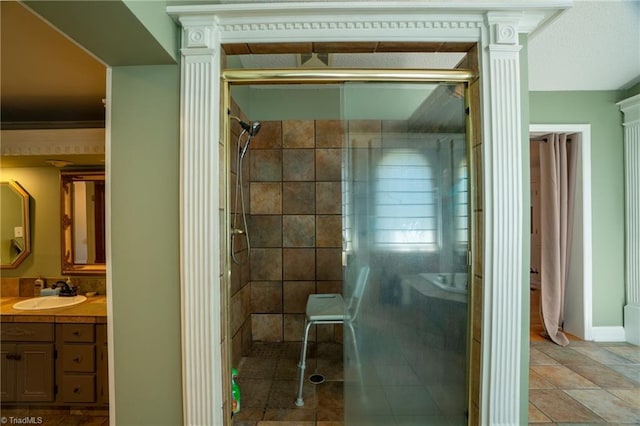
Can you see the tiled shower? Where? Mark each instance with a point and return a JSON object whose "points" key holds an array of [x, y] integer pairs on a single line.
{"points": [[293, 197]]}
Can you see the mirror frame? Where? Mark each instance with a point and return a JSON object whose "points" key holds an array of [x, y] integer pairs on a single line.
{"points": [[67, 177], [21, 192]]}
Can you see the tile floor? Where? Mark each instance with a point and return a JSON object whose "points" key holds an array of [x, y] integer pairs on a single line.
{"points": [[268, 379], [52, 416], [583, 383]]}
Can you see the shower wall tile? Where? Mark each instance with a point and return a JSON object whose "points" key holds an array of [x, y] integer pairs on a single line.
{"points": [[269, 137], [395, 126], [329, 264], [298, 264], [267, 327], [266, 264], [295, 295], [329, 231], [266, 165], [300, 243], [294, 327], [298, 164], [330, 133], [265, 230], [298, 134], [325, 333], [266, 297], [298, 197], [329, 287], [328, 198], [266, 198], [365, 133], [329, 164], [298, 231]]}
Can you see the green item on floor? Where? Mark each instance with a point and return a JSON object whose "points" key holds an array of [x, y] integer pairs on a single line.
{"points": [[235, 392]]}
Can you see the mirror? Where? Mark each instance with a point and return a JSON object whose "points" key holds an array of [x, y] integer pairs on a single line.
{"points": [[14, 232], [83, 222]]}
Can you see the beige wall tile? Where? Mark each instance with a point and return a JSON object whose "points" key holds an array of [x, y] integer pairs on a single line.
{"points": [[269, 137], [298, 197], [266, 165], [329, 231], [266, 198], [298, 164], [329, 264], [266, 297], [267, 327], [266, 264], [329, 164], [298, 264], [330, 133], [295, 295], [328, 198], [298, 134], [298, 231]]}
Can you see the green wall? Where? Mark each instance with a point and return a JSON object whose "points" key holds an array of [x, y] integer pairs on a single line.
{"points": [[607, 187], [43, 186], [144, 167]]}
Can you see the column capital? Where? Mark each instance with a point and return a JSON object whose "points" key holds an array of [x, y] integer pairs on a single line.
{"points": [[630, 107], [503, 28], [198, 35]]}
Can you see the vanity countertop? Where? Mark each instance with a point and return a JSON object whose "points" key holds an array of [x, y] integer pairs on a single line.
{"points": [[93, 310]]}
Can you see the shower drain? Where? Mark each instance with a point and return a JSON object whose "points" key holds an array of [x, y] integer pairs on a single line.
{"points": [[316, 379]]}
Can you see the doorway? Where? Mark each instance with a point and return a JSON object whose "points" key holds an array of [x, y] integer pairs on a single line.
{"points": [[578, 297], [315, 192]]}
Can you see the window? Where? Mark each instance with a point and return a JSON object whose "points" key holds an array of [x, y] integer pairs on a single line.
{"points": [[405, 210], [461, 205]]}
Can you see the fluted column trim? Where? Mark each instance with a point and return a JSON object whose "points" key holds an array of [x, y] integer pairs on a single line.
{"points": [[631, 110]]}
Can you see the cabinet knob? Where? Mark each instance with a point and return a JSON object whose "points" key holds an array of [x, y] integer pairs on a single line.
{"points": [[76, 390], [77, 359], [76, 333]]}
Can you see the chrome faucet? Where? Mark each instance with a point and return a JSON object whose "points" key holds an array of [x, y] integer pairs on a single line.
{"points": [[66, 290]]}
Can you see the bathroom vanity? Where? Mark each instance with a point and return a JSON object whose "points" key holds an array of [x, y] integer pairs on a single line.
{"points": [[54, 357]]}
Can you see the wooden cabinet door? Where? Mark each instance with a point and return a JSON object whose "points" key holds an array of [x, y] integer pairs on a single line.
{"points": [[8, 372], [34, 372]]}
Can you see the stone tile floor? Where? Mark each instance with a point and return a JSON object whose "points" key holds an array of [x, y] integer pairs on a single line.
{"points": [[585, 383], [53, 416], [268, 379]]}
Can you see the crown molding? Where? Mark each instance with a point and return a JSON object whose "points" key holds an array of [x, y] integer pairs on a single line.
{"points": [[53, 142]]}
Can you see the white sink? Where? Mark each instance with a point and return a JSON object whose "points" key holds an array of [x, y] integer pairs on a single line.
{"points": [[48, 302]]}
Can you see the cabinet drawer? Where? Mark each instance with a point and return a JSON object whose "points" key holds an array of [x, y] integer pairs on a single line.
{"points": [[77, 388], [79, 358], [78, 332], [26, 332]]}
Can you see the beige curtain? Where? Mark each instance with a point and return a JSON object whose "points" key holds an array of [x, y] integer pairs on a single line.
{"points": [[557, 186]]}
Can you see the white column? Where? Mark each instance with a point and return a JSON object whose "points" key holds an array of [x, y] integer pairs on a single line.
{"points": [[631, 109], [502, 150], [200, 224]]}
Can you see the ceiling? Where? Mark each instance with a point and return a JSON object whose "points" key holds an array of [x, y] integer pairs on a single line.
{"points": [[46, 77]]}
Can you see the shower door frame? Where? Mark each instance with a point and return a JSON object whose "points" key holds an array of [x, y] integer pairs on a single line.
{"points": [[501, 348], [230, 77]]}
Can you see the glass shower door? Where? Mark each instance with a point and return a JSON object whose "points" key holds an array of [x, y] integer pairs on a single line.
{"points": [[405, 218]]}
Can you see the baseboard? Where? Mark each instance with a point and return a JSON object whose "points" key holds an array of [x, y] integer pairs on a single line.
{"points": [[632, 323], [608, 334]]}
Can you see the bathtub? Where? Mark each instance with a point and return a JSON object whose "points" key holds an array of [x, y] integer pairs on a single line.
{"points": [[448, 281]]}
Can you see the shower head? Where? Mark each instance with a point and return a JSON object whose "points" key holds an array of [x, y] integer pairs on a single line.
{"points": [[255, 128], [252, 129]]}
